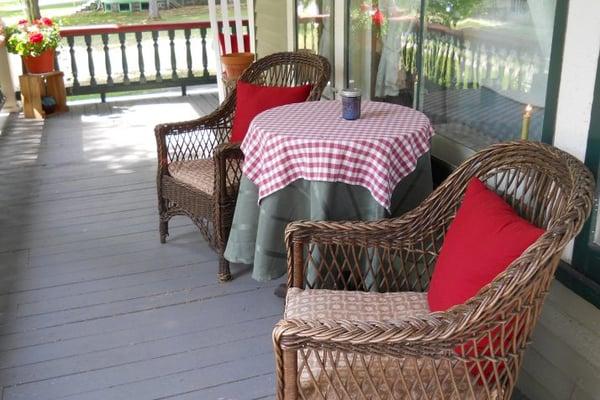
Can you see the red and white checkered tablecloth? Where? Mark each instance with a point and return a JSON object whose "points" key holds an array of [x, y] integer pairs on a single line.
{"points": [[311, 141]]}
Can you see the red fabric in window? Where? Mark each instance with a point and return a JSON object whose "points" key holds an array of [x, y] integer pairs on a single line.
{"points": [[251, 100]]}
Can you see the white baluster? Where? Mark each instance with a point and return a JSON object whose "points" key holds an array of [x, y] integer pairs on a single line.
{"points": [[239, 29], [6, 82]]}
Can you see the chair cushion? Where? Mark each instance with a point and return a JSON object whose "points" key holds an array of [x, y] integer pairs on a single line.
{"points": [[484, 238], [252, 99], [353, 305], [360, 376], [199, 174]]}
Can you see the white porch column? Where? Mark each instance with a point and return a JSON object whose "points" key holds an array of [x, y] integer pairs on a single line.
{"points": [[5, 79]]}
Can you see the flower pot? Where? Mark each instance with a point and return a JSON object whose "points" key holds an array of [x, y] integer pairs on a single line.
{"points": [[40, 64], [235, 63]]}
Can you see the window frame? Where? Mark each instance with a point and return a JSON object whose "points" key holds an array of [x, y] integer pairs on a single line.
{"points": [[579, 276]]}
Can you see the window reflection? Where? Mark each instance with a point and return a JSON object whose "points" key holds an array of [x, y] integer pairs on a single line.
{"points": [[314, 27], [484, 61], [382, 49]]}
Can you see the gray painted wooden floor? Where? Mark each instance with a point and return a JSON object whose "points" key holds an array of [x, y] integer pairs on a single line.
{"points": [[92, 305]]}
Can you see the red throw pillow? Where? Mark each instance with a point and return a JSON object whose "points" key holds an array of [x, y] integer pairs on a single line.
{"points": [[484, 238], [252, 99], [233, 41]]}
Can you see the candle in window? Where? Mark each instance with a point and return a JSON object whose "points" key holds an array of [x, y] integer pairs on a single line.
{"points": [[526, 121]]}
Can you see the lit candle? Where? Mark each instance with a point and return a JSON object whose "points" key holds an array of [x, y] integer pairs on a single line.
{"points": [[526, 121]]}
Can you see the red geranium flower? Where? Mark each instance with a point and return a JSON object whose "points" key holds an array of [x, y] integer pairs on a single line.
{"points": [[378, 18], [36, 37], [23, 21], [47, 21]]}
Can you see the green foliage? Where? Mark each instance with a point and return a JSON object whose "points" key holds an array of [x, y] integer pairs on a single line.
{"points": [[450, 12], [32, 38], [366, 16]]}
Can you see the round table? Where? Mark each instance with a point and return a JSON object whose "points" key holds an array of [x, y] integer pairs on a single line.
{"points": [[303, 161]]}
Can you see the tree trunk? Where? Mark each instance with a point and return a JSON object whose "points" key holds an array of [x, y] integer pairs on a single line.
{"points": [[33, 9], [153, 9]]}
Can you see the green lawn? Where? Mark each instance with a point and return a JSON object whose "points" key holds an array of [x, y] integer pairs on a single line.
{"points": [[127, 18], [65, 12], [12, 10]]}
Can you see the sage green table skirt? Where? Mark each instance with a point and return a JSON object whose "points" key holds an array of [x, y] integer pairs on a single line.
{"points": [[257, 233]]}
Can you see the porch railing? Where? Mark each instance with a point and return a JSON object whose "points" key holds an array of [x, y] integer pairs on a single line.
{"points": [[109, 58]]}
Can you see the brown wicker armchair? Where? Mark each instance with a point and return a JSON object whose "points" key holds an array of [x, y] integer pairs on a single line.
{"points": [[199, 170], [350, 344]]}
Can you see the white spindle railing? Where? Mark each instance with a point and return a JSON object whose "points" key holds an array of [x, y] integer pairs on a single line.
{"points": [[6, 83]]}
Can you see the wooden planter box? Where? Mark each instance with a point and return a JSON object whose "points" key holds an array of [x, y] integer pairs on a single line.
{"points": [[35, 86]]}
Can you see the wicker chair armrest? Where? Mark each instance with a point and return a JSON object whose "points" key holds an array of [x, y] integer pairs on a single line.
{"points": [[415, 336], [194, 139], [228, 151], [345, 232], [228, 159]]}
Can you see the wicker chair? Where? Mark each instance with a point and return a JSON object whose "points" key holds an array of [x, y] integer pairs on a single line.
{"points": [[350, 344], [199, 170]]}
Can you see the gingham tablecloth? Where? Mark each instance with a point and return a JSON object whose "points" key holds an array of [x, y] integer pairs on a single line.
{"points": [[310, 140]]}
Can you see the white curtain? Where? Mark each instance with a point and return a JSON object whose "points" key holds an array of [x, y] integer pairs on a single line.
{"points": [[390, 78], [542, 15]]}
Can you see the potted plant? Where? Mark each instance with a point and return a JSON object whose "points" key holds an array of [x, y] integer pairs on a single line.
{"points": [[35, 42], [235, 63]]}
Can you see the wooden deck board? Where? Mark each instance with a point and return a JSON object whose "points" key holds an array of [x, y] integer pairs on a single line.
{"points": [[92, 306]]}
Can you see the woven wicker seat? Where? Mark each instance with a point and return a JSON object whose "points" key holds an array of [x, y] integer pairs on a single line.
{"points": [[471, 351], [358, 306], [188, 150], [199, 174]]}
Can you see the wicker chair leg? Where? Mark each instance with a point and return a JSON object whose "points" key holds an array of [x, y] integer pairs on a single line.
{"points": [[290, 372], [224, 273], [163, 228], [163, 223]]}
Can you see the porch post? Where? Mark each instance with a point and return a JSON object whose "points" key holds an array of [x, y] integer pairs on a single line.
{"points": [[339, 24], [6, 79]]}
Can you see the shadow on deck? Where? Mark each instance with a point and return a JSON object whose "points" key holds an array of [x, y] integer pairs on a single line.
{"points": [[92, 305]]}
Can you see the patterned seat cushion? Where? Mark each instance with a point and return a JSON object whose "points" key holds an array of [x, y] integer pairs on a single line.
{"points": [[199, 174], [333, 374], [354, 305]]}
